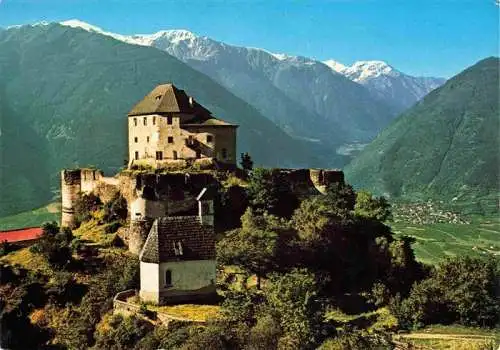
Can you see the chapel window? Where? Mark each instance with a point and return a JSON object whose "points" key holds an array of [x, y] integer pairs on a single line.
{"points": [[168, 278]]}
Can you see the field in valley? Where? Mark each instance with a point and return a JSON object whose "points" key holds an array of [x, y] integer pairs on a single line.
{"points": [[33, 218], [434, 242]]}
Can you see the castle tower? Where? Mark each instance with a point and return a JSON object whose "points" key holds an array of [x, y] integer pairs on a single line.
{"points": [[168, 127], [70, 192]]}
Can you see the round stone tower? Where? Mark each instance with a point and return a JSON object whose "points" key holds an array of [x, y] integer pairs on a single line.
{"points": [[70, 192]]}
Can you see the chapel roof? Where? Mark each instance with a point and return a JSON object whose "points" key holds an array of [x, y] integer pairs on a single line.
{"points": [[174, 238]]}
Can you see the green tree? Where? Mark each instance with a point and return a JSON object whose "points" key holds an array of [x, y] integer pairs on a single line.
{"points": [[116, 209], [293, 300], [246, 162], [269, 191], [252, 248], [461, 289], [55, 245], [85, 205], [370, 207], [123, 333]]}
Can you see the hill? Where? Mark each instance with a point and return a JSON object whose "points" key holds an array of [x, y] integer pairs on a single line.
{"points": [[445, 147], [64, 97]]}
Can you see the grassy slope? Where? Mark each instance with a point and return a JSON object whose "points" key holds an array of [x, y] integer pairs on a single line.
{"points": [[444, 147], [33, 218], [434, 242], [64, 97]]}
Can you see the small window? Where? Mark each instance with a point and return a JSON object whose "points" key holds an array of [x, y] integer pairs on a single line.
{"points": [[136, 139], [169, 120], [170, 139], [210, 138], [198, 154], [154, 120], [135, 121], [136, 155], [205, 208], [224, 153], [159, 155], [158, 97], [145, 121], [147, 138], [168, 278], [174, 153]]}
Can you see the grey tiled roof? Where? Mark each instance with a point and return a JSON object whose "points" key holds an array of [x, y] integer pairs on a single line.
{"points": [[164, 98], [173, 238]]}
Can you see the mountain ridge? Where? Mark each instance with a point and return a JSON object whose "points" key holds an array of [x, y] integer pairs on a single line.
{"points": [[445, 147], [65, 97]]}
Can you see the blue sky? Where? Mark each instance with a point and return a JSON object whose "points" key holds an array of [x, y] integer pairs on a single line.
{"points": [[420, 37]]}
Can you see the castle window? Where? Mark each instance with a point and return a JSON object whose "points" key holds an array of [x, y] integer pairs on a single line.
{"points": [[169, 120], [210, 138], [174, 153], [168, 278], [224, 153], [136, 139], [154, 120], [147, 138], [159, 155], [135, 121], [145, 121], [170, 139], [136, 155]]}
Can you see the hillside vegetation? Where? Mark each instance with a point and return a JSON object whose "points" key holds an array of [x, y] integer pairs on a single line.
{"points": [[64, 98], [445, 147]]}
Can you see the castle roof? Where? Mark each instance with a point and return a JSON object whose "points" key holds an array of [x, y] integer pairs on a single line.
{"points": [[166, 98], [174, 238]]}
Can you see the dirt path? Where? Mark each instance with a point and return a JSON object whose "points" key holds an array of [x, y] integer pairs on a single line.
{"points": [[446, 336]]}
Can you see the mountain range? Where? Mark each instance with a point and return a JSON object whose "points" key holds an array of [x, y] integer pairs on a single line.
{"points": [[305, 97], [64, 97], [445, 147], [386, 83], [66, 89]]}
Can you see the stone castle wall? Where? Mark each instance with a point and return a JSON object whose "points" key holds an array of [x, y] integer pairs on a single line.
{"points": [[151, 195]]}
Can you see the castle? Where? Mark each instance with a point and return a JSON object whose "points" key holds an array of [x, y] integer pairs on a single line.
{"points": [[170, 127], [171, 213]]}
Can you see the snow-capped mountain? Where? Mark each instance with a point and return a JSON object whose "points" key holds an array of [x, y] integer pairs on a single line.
{"points": [[387, 83], [303, 96]]}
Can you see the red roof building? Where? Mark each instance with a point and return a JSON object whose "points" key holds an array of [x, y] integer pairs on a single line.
{"points": [[21, 235]]}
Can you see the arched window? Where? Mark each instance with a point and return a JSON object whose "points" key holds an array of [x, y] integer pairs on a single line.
{"points": [[168, 278]]}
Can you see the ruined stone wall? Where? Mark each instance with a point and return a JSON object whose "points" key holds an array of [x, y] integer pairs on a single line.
{"points": [[76, 182]]}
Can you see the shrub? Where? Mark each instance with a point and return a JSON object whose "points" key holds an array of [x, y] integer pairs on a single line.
{"points": [[85, 205]]}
